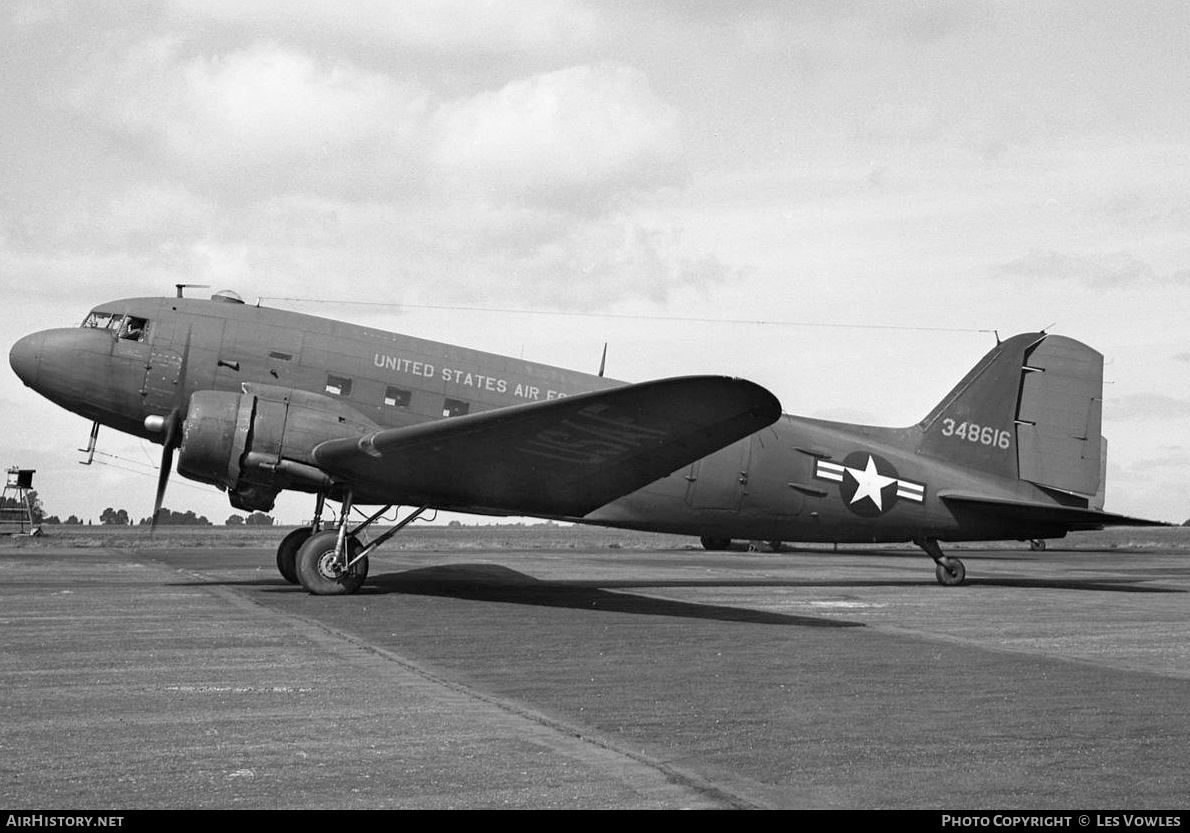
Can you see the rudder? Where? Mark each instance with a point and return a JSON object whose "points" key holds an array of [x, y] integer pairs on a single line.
{"points": [[1060, 419]]}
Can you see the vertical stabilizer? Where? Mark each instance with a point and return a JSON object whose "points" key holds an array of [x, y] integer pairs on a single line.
{"points": [[975, 424], [1031, 409]]}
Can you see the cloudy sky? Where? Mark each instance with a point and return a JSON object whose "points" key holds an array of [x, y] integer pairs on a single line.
{"points": [[840, 200]]}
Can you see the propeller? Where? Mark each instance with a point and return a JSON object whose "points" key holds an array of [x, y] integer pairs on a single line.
{"points": [[173, 438], [171, 427]]}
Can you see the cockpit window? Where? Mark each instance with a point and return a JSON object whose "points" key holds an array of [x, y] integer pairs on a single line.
{"points": [[127, 327], [103, 320], [133, 328]]}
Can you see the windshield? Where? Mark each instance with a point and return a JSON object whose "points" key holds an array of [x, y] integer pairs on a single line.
{"points": [[127, 327], [103, 320]]}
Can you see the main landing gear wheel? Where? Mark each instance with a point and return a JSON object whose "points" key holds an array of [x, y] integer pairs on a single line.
{"points": [[287, 552], [1037, 544], [321, 573], [709, 542], [950, 573]]}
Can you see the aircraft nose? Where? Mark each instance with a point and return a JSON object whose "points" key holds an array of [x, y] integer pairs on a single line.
{"points": [[25, 356]]}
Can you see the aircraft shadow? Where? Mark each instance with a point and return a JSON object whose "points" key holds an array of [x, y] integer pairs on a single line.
{"points": [[491, 583], [493, 578], [495, 583]]}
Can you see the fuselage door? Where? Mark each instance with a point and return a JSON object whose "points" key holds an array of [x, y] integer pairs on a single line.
{"points": [[719, 481], [162, 379], [163, 367]]}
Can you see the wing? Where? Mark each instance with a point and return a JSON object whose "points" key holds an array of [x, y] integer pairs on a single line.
{"points": [[1071, 517], [563, 457]]}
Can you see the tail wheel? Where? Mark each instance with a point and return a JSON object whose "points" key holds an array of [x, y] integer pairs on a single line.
{"points": [[951, 572], [322, 574], [287, 552], [1037, 544]]}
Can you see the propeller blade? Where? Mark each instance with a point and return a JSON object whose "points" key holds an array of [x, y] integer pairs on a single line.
{"points": [[172, 439], [173, 431], [167, 461]]}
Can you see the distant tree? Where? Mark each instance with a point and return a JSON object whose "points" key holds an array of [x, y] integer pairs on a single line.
{"points": [[114, 517], [259, 519], [234, 520], [74, 520], [167, 517], [52, 519], [35, 507]]}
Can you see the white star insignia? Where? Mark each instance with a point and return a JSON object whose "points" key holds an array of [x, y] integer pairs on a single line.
{"points": [[869, 483]]}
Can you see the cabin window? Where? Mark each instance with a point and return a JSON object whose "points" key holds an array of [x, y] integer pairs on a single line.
{"points": [[397, 398], [338, 385], [455, 407]]}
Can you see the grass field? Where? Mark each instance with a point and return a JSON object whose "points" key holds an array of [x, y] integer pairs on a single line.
{"points": [[543, 536]]}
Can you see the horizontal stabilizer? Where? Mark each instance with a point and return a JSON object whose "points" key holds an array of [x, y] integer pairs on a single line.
{"points": [[1031, 512], [563, 457]]}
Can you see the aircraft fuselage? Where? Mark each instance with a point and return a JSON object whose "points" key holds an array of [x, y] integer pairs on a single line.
{"points": [[797, 480]]}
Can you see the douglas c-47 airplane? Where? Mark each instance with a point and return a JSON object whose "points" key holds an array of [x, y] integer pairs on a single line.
{"points": [[257, 400]]}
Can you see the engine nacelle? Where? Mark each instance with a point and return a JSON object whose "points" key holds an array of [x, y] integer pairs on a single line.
{"points": [[256, 443]]}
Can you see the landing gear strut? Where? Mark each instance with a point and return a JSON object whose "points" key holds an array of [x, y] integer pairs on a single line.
{"points": [[334, 562], [950, 571]]}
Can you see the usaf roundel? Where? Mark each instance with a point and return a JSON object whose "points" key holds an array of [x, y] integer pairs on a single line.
{"points": [[868, 484]]}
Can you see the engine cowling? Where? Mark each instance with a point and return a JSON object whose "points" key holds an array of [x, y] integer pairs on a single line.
{"points": [[255, 443]]}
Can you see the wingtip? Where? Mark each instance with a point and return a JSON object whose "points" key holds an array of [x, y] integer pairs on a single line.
{"points": [[769, 407]]}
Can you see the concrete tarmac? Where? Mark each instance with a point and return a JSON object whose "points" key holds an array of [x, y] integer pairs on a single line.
{"points": [[596, 677]]}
